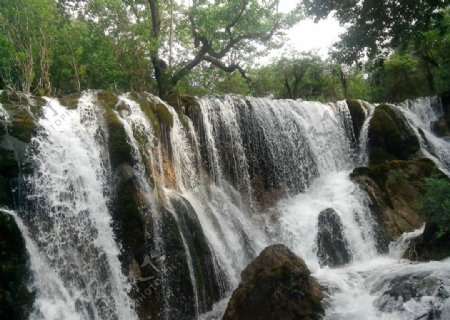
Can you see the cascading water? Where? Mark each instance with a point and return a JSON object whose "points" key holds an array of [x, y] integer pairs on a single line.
{"points": [[422, 115], [215, 183], [79, 275]]}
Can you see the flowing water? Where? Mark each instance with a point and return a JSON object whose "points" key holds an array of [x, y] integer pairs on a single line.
{"points": [[214, 188]]}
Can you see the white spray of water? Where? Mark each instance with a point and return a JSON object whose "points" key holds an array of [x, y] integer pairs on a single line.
{"points": [[299, 218], [71, 223], [363, 156], [421, 114], [54, 301]]}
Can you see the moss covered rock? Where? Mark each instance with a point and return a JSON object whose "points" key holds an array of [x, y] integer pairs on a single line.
{"points": [[276, 285], [390, 136], [358, 114], [396, 189], [175, 276], [107, 99], [210, 285], [155, 110], [180, 101], [70, 101]]}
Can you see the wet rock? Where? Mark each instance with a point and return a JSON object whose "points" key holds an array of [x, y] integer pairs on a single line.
{"points": [[358, 114], [15, 298], [429, 246], [210, 283], [396, 189], [396, 291], [332, 246], [390, 136], [276, 285], [70, 101], [441, 127]]}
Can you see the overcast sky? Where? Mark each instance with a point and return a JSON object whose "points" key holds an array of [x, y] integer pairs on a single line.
{"points": [[310, 36]]}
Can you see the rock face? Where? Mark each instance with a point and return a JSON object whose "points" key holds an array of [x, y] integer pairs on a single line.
{"points": [[390, 136], [395, 189], [276, 285], [332, 247], [429, 246], [15, 299], [358, 113], [441, 127]]}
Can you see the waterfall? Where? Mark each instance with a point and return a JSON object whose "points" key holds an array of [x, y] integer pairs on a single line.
{"points": [[363, 157], [214, 182], [66, 210], [422, 113]]}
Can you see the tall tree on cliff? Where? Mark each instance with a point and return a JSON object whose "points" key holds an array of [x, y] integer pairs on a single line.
{"points": [[220, 32]]}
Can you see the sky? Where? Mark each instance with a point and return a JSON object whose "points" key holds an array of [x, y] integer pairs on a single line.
{"points": [[310, 36]]}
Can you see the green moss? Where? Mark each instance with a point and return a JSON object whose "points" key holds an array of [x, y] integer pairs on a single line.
{"points": [[184, 121], [390, 131], [22, 125], [157, 113], [148, 111], [409, 170], [70, 101], [107, 99], [4, 97], [162, 113], [178, 101], [119, 148]]}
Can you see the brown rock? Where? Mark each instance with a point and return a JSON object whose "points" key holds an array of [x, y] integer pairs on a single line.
{"points": [[276, 285], [396, 190]]}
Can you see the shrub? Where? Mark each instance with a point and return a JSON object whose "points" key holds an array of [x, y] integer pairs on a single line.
{"points": [[436, 203]]}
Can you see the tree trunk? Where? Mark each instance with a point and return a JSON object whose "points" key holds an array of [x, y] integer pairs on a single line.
{"points": [[162, 77]]}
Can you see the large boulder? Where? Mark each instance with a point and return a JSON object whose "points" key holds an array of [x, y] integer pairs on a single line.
{"points": [[390, 136], [332, 246], [396, 189], [276, 285]]}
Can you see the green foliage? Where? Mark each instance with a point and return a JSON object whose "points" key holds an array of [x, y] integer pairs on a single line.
{"points": [[436, 203], [397, 78], [374, 25]]}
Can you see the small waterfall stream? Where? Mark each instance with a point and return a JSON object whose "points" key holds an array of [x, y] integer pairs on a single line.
{"points": [[214, 183]]}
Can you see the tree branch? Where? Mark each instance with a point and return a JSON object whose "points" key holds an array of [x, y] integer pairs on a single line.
{"points": [[230, 68]]}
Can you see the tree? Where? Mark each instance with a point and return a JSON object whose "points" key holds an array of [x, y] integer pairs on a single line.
{"points": [[374, 25], [220, 33], [397, 78]]}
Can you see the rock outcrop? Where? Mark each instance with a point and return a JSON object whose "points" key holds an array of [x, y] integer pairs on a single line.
{"points": [[390, 136], [396, 189], [429, 246], [441, 127], [15, 298], [332, 246], [276, 285], [358, 112]]}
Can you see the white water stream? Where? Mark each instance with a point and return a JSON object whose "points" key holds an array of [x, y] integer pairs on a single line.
{"points": [[296, 155]]}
